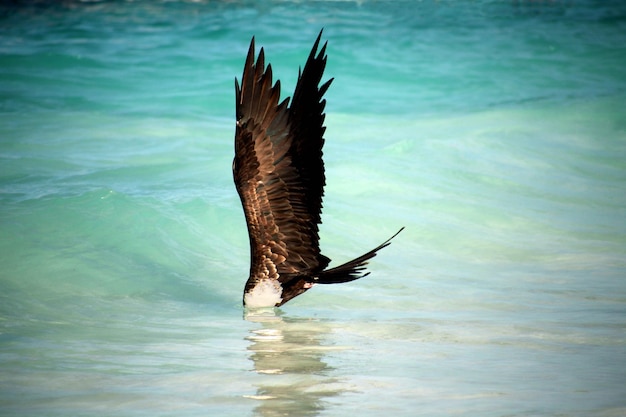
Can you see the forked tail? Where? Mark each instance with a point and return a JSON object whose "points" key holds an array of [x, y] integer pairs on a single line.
{"points": [[353, 269]]}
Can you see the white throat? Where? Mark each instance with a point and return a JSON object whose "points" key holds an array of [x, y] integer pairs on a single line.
{"points": [[265, 293]]}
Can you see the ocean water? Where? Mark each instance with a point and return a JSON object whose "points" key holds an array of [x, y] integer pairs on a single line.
{"points": [[494, 131]]}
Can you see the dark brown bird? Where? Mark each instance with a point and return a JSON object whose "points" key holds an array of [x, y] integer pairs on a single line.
{"points": [[279, 175]]}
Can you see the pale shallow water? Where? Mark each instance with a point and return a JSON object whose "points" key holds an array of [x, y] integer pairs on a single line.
{"points": [[495, 132]]}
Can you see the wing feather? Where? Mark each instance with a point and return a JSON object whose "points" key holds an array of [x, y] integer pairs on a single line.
{"points": [[278, 168]]}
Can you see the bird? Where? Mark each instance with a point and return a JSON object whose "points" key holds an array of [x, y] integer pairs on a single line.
{"points": [[278, 172]]}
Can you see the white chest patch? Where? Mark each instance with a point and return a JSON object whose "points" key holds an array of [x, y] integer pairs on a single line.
{"points": [[264, 294]]}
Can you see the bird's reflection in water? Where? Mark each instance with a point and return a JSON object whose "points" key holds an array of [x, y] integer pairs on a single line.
{"points": [[287, 353]]}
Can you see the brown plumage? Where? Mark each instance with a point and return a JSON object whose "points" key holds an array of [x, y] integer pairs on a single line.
{"points": [[279, 175]]}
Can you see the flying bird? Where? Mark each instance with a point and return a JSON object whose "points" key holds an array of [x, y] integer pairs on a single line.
{"points": [[279, 175]]}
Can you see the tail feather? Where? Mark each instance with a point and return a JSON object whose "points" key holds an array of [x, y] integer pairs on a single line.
{"points": [[353, 269]]}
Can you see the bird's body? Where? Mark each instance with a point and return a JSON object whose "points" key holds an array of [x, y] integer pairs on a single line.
{"points": [[279, 175]]}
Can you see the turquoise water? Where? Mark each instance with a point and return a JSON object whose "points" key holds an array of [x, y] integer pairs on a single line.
{"points": [[494, 131]]}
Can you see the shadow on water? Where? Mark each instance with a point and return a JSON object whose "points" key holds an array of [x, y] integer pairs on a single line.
{"points": [[288, 354]]}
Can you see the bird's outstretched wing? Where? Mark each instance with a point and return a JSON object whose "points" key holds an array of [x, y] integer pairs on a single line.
{"points": [[278, 168]]}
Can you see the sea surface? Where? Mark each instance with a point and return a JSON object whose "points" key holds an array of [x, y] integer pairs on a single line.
{"points": [[493, 131]]}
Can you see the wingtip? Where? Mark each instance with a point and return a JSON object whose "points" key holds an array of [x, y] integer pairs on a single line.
{"points": [[322, 51], [388, 241], [396, 234], [250, 56], [319, 36]]}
